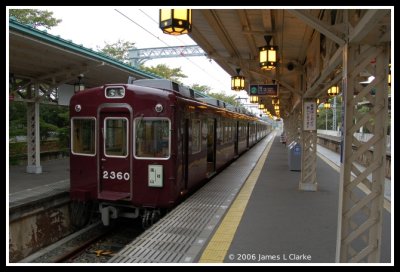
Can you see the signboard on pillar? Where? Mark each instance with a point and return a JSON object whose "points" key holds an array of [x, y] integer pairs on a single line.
{"points": [[264, 89], [309, 115]]}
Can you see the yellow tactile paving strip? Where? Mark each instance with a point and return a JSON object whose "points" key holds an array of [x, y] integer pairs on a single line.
{"points": [[219, 244]]}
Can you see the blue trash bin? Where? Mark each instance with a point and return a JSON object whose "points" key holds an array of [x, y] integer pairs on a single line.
{"points": [[294, 157]]}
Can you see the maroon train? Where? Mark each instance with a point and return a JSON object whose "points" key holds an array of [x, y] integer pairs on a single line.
{"points": [[139, 148]]}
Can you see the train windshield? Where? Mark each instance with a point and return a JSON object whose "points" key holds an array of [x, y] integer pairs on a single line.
{"points": [[116, 141], [83, 136], [152, 138]]}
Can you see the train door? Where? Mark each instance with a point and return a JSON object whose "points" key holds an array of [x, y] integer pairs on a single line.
{"points": [[237, 139], [115, 175], [211, 135]]}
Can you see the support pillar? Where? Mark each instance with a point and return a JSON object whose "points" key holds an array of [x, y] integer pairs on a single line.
{"points": [[33, 133], [308, 180], [360, 215], [292, 127]]}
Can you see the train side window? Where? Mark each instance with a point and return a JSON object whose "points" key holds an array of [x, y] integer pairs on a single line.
{"points": [[196, 136], [152, 138], [116, 140], [225, 132], [83, 140], [230, 130]]}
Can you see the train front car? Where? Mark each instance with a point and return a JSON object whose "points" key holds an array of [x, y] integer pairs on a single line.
{"points": [[122, 155]]}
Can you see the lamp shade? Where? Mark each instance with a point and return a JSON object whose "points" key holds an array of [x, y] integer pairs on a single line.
{"points": [[268, 57], [327, 105], [237, 82], [253, 99], [275, 101], [176, 21], [333, 91]]}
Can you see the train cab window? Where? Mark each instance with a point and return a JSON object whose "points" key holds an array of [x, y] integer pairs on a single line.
{"points": [[196, 136], [116, 137], [152, 138], [83, 136]]}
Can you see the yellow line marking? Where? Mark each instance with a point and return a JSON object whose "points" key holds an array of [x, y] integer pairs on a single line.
{"points": [[220, 242], [362, 187]]}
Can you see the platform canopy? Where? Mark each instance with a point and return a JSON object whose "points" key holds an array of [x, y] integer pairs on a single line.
{"points": [[308, 40], [41, 57]]}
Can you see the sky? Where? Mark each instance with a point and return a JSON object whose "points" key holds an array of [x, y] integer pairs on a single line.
{"points": [[93, 26]]}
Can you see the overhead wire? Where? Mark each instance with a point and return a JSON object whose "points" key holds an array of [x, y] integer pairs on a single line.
{"points": [[152, 19], [158, 38]]}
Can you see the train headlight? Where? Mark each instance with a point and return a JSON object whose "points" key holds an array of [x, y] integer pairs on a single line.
{"points": [[158, 108], [115, 92]]}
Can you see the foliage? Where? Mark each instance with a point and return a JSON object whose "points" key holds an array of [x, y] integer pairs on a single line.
{"points": [[17, 119], [174, 74], [46, 130], [63, 131], [201, 88], [231, 99], [324, 122], [35, 17], [54, 120], [118, 50]]}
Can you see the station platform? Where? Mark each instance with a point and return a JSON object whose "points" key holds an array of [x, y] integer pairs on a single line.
{"points": [[26, 188], [252, 212]]}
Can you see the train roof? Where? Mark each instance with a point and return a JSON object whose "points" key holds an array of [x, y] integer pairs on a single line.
{"points": [[169, 85]]}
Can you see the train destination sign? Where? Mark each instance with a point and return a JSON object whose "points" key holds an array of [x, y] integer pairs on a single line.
{"points": [[264, 89], [310, 115]]}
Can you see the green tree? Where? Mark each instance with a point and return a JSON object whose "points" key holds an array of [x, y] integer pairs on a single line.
{"points": [[17, 119], [323, 120], [46, 129], [118, 50], [35, 17], [174, 74], [201, 88], [231, 99], [64, 129]]}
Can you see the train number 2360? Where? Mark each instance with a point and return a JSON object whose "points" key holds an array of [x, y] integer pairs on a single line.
{"points": [[116, 175]]}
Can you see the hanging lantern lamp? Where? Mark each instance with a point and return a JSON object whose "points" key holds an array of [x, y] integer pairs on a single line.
{"points": [[268, 55], [253, 99], [237, 82], [176, 21], [327, 105], [333, 91]]}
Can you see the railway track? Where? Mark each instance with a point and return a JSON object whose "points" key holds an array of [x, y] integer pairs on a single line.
{"points": [[94, 244]]}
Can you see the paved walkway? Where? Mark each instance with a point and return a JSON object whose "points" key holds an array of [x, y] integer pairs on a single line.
{"points": [[25, 187], [284, 225], [335, 158]]}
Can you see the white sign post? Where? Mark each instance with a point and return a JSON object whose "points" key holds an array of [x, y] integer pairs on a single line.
{"points": [[310, 115]]}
